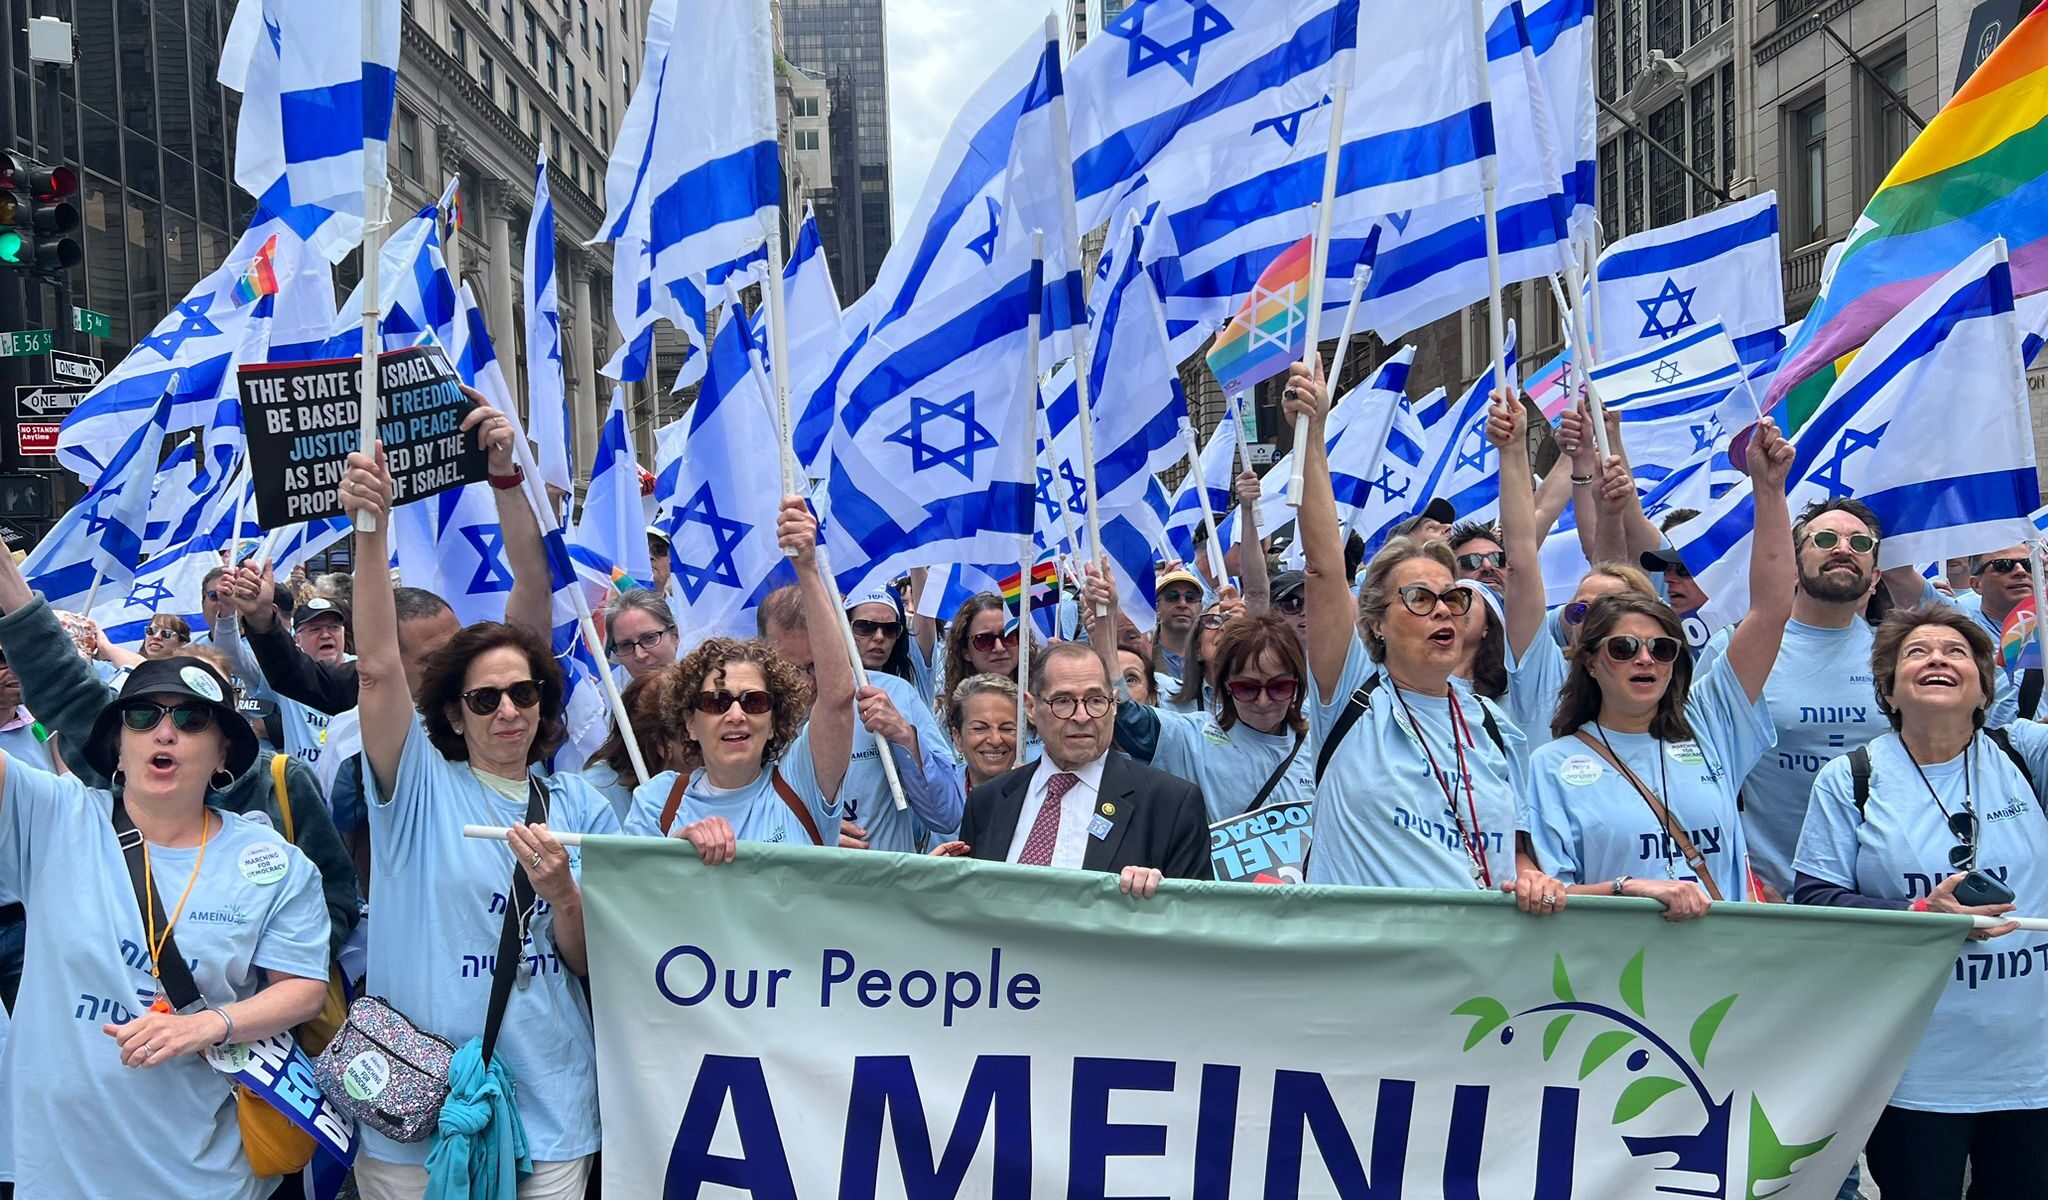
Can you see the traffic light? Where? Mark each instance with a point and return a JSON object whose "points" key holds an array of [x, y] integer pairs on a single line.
{"points": [[37, 216]]}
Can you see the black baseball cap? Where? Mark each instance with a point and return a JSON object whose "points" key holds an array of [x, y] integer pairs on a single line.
{"points": [[1286, 585], [176, 676], [320, 606], [1439, 510], [1660, 560]]}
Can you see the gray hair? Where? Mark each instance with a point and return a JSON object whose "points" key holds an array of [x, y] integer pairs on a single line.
{"points": [[983, 684], [417, 604], [1056, 650], [638, 600]]}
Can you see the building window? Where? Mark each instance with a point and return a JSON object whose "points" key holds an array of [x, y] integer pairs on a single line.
{"points": [[554, 63], [1706, 141], [458, 44], [487, 71], [1609, 71], [1807, 142], [1703, 20], [407, 142], [600, 47], [807, 139], [1667, 26], [1632, 185], [1728, 113], [804, 106], [575, 166], [533, 120], [1610, 186], [554, 144], [586, 106], [1893, 132], [583, 21], [1631, 42], [626, 75], [532, 40], [604, 124], [1667, 182], [569, 78]]}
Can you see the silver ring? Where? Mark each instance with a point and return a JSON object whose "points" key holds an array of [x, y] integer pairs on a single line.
{"points": [[147, 1050], [1550, 899], [535, 860]]}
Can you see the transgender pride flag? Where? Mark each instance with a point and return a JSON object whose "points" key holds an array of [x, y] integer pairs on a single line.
{"points": [[1549, 388], [1270, 330]]}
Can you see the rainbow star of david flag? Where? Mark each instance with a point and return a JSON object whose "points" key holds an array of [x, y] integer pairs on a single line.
{"points": [[1270, 330]]}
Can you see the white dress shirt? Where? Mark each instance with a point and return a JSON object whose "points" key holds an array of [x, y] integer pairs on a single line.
{"points": [[1077, 808]]}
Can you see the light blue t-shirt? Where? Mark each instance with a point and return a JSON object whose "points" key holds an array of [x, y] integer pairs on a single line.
{"points": [[435, 919], [755, 812], [1533, 683], [608, 784], [1230, 766], [1382, 819], [1986, 1048], [1823, 705], [931, 784], [1593, 826], [74, 1121]]}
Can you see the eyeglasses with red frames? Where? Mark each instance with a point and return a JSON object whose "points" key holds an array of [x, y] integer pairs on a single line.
{"points": [[986, 642], [753, 702]]}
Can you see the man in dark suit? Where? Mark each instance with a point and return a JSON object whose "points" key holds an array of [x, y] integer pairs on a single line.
{"points": [[1083, 805]]}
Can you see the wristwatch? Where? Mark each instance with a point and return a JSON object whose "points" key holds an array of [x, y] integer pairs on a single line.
{"points": [[1620, 882]]}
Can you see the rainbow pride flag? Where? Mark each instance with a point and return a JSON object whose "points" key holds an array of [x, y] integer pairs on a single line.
{"points": [[260, 279], [1270, 331], [2018, 648], [1978, 171], [1045, 578]]}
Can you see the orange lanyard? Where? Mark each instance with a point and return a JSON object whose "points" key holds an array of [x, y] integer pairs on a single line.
{"points": [[156, 943]]}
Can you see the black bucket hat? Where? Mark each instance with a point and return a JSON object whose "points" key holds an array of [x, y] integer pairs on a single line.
{"points": [[174, 677]]}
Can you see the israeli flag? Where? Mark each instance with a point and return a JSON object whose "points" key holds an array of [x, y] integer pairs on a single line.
{"points": [[1464, 468], [193, 351], [1206, 489], [103, 534], [546, 398], [816, 338], [1375, 466], [727, 493], [612, 528], [695, 182], [1876, 439], [1704, 358], [1666, 283], [170, 582], [416, 296], [318, 84], [1172, 88], [1561, 37]]}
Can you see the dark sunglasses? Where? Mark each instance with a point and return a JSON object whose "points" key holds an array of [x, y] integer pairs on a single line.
{"points": [[1624, 648], [1575, 612], [1213, 620], [1247, 691], [1963, 856], [484, 701], [717, 704], [865, 628], [986, 642], [1290, 604], [1491, 558], [1859, 543], [145, 715], [1179, 596], [2002, 566], [165, 631], [1422, 600]]}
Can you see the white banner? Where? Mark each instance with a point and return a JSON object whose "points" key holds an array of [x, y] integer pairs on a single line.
{"points": [[810, 1023]]}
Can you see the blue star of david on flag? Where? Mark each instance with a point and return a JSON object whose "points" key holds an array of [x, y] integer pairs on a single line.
{"points": [[1077, 493], [1046, 500], [1666, 372], [491, 573], [1385, 484], [984, 247], [95, 524], [1287, 126], [1654, 325], [195, 324], [1401, 220], [726, 538], [1703, 435], [148, 595], [924, 455], [1148, 50], [1829, 475], [1474, 459]]}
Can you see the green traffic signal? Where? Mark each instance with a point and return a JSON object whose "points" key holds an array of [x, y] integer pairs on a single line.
{"points": [[13, 249]]}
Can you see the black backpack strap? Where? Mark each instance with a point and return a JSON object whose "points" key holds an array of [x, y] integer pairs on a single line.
{"points": [[2030, 693], [1859, 775], [512, 935], [1273, 780], [2003, 740], [171, 971], [1353, 709], [1492, 728]]}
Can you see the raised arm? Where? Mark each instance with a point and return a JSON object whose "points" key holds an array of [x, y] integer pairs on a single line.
{"points": [[531, 602], [923, 625], [288, 670], [1251, 551], [57, 683], [832, 669], [1640, 535], [1326, 593], [1753, 647], [1520, 533], [1581, 465], [384, 699]]}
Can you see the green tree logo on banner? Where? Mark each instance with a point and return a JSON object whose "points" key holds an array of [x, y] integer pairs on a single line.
{"points": [[1662, 1069]]}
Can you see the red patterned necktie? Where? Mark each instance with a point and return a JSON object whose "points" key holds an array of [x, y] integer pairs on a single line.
{"points": [[1045, 829]]}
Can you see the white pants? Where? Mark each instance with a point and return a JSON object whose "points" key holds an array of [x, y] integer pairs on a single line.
{"points": [[402, 1181]]}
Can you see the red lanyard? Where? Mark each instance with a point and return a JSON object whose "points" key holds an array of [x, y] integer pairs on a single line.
{"points": [[1473, 838]]}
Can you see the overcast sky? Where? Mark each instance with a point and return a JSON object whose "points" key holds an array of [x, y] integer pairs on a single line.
{"points": [[939, 52]]}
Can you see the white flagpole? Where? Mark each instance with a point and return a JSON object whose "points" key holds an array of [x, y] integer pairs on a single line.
{"points": [[778, 357], [2040, 601], [1027, 554], [93, 591], [241, 515], [860, 672], [1489, 185], [1319, 263], [374, 199], [1084, 357], [1194, 449], [1359, 279], [1582, 356]]}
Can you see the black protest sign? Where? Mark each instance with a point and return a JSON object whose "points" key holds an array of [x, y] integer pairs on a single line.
{"points": [[302, 420]]}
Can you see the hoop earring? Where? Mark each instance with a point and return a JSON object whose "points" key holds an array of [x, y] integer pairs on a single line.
{"points": [[221, 780], [118, 779]]}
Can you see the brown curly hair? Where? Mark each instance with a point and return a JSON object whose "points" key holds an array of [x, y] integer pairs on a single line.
{"points": [[706, 665], [958, 665], [446, 671], [643, 698]]}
